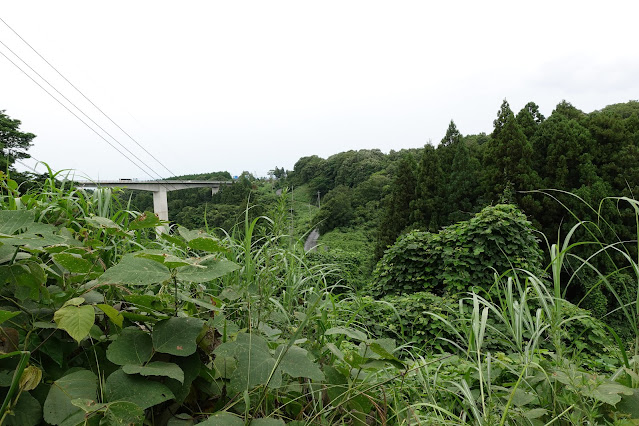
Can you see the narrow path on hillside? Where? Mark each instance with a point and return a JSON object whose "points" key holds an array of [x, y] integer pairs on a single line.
{"points": [[311, 241]]}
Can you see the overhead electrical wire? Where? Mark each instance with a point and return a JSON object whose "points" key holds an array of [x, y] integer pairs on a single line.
{"points": [[27, 166], [76, 116], [85, 97], [77, 108], [83, 113]]}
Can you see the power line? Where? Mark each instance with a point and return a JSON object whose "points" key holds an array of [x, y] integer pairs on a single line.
{"points": [[76, 116], [85, 97], [26, 165], [76, 107]]}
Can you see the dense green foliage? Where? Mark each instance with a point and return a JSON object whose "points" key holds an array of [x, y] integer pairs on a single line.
{"points": [[104, 322], [460, 257], [14, 143], [592, 156]]}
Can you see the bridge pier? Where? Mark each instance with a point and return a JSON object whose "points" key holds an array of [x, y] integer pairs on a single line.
{"points": [[159, 190], [161, 208]]}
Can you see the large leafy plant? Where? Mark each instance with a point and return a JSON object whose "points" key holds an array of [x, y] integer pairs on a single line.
{"points": [[61, 302], [460, 256]]}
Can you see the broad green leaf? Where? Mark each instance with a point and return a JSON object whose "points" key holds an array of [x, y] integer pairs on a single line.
{"points": [[349, 332], [58, 409], [189, 235], [88, 405], [146, 302], [520, 397], [156, 368], [7, 252], [28, 278], [7, 315], [138, 317], [133, 346], [27, 412], [267, 421], [336, 351], [535, 413], [296, 363], [56, 349], [354, 359], [102, 222], [198, 302], [377, 347], [36, 236], [123, 413], [383, 348], [14, 220], [177, 336], [153, 254], [182, 419], [224, 366], [224, 326], [136, 271], [76, 301], [254, 365], [174, 240], [207, 244], [75, 320], [191, 366], [172, 262], [114, 315], [610, 392], [338, 385], [145, 220], [629, 404], [138, 390], [166, 259], [206, 269], [73, 263], [222, 419]]}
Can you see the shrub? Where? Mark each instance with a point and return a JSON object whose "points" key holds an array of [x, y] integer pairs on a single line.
{"points": [[407, 318], [460, 256]]}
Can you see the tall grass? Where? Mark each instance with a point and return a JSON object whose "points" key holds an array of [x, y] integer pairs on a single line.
{"points": [[533, 370]]}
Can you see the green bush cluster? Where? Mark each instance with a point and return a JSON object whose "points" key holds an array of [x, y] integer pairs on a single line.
{"points": [[345, 269], [416, 319], [459, 257], [408, 318]]}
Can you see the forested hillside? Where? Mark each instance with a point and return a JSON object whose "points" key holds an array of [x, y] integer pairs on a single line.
{"points": [[592, 155], [589, 155], [369, 198], [468, 317]]}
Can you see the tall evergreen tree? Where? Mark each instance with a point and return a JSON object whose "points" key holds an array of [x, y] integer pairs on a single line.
{"points": [[563, 153], [529, 118], [462, 184], [448, 146], [396, 215], [427, 211], [452, 135], [508, 156]]}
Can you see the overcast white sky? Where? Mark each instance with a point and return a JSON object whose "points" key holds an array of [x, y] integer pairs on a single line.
{"points": [[250, 85]]}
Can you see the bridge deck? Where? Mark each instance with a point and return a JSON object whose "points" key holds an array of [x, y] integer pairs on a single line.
{"points": [[159, 189]]}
